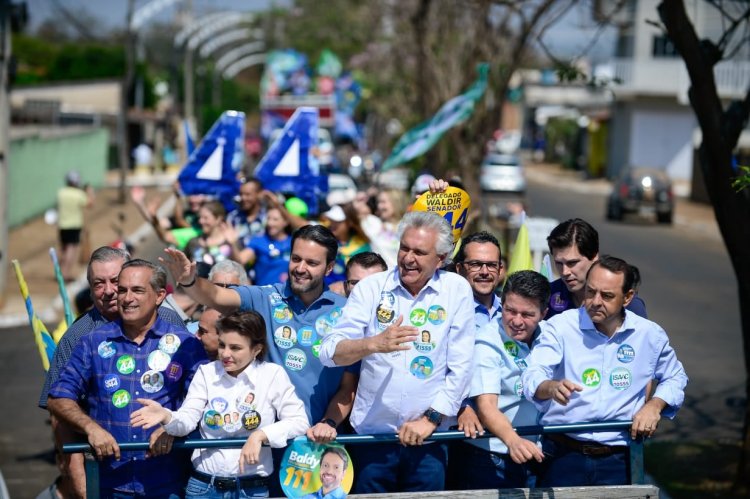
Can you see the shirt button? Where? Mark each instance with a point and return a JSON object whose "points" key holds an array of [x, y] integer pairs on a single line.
{"points": [[137, 393], [135, 436], [137, 370]]}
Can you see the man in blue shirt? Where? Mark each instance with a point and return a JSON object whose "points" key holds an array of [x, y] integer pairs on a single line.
{"points": [[574, 246], [479, 262], [102, 273], [138, 355], [596, 363]]}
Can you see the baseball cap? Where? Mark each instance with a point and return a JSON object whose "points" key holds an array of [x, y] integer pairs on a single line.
{"points": [[421, 184], [296, 207], [73, 177], [335, 214]]}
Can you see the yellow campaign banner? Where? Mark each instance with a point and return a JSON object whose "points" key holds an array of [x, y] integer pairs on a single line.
{"points": [[453, 204]]}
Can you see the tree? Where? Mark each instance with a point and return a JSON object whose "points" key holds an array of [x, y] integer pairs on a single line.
{"points": [[721, 126]]}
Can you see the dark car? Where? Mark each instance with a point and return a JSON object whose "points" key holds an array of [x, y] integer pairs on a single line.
{"points": [[643, 191]]}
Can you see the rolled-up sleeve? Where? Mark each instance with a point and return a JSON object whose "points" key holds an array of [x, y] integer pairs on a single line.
{"points": [[292, 418], [487, 362], [354, 319], [460, 352], [546, 355], [74, 378], [672, 380]]}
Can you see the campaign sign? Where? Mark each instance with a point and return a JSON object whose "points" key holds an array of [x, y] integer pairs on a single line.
{"points": [[453, 205], [308, 468]]}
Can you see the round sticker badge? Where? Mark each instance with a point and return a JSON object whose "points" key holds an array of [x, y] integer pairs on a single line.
{"points": [[307, 467], [385, 316], [125, 364], [316, 348], [285, 337], [152, 381], [295, 360], [453, 204], [106, 349], [436, 314], [521, 363], [251, 420], [120, 398], [518, 388], [212, 419], [158, 360], [335, 314], [557, 302], [620, 378], [421, 367], [306, 336], [173, 371], [169, 343], [387, 299], [282, 314], [219, 404], [591, 377], [512, 348], [111, 383], [246, 403], [323, 325], [418, 317], [425, 343], [275, 298], [625, 353]]}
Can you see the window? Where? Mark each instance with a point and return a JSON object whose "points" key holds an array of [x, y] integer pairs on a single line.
{"points": [[663, 47]]}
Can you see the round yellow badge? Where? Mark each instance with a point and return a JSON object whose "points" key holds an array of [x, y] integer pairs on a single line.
{"points": [[453, 205]]}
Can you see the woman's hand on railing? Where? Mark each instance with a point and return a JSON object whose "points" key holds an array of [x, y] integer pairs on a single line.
{"points": [[250, 453]]}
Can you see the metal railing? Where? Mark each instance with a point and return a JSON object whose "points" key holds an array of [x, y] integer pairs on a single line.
{"points": [[635, 446]]}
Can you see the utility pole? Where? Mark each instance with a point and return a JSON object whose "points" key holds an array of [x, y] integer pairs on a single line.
{"points": [[122, 119], [5, 51]]}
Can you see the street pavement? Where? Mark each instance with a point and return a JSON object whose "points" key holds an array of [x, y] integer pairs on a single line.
{"points": [[25, 439]]}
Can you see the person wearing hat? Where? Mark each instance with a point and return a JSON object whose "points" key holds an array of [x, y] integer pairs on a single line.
{"points": [[71, 201], [345, 225]]}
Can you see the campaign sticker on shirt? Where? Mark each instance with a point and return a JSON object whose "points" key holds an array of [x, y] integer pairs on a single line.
{"points": [[173, 371], [521, 364], [246, 403], [295, 360], [235, 422], [557, 302], [518, 388], [511, 347], [169, 343], [152, 381], [219, 404], [125, 364], [424, 343], [335, 314], [158, 360], [306, 336], [282, 314], [111, 382], [387, 299], [251, 420], [106, 349], [436, 314], [212, 419], [120, 398], [591, 377], [421, 367], [275, 298], [385, 316], [285, 337], [316, 348], [418, 317], [625, 353], [620, 378], [323, 325], [316, 470]]}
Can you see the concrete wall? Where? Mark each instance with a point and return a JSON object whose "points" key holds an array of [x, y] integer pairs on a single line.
{"points": [[39, 160]]}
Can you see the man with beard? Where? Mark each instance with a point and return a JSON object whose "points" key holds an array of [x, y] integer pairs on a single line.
{"points": [[304, 304]]}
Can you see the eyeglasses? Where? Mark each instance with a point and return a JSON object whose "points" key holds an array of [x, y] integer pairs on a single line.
{"points": [[476, 265], [223, 284]]}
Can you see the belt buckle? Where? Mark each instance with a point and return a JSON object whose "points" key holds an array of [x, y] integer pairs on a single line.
{"points": [[595, 450], [225, 483]]}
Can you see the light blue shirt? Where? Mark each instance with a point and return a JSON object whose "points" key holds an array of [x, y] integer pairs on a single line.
{"points": [[613, 371], [482, 316], [398, 387], [499, 362]]}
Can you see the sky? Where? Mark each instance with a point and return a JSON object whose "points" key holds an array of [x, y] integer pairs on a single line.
{"points": [[566, 38]]}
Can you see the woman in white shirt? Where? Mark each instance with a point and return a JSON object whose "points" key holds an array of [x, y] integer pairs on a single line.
{"points": [[239, 395]]}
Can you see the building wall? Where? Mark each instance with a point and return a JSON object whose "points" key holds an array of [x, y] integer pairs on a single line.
{"points": [[619, 139], [39, 162]]}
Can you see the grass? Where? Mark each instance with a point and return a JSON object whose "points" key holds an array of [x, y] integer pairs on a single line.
{"points": [[693, 469]]}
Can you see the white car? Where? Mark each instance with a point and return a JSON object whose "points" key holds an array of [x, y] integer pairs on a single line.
{"points": [[502, 173]]}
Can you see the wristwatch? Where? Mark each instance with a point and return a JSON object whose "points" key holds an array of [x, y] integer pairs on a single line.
{"points": [[330, 422], [433, 416]]}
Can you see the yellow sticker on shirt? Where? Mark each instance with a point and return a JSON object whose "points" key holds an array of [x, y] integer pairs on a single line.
{"points": [[453, 205]]}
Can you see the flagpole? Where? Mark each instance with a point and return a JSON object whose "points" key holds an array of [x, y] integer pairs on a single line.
{"points": [[61, 287], [43, 339]]}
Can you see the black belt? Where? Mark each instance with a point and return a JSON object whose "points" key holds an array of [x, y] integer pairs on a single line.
{"points": [[230, 483], [586, 448]]}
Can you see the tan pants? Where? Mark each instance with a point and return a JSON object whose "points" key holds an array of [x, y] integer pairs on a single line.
{"points": [[72, 472]]}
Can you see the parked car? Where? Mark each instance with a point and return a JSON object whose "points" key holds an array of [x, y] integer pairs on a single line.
{"points": [[502, 173], [643, 191]]}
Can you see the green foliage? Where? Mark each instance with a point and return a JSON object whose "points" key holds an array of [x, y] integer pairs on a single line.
{"points": [[742, 182]]}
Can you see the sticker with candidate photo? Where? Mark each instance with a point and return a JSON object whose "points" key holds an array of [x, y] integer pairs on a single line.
{"points": [[152, 381], [246, 402], [158, 360], [106, 349], [323, 325], [436, 314], [235, 421], [251, 420], [421, 367], [316, 470], [285, 336], [212, 419], [335, 314], [226, 423], [424, 342], [282, 314], [169, 343], [306, 336]]}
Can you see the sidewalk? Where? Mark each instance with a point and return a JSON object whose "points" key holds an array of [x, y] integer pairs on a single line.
{"points": [[107, 221]]}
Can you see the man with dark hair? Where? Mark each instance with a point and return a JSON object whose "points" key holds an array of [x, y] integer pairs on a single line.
{"points": [[303, 303], [249, 218], [479, 261], [574, 246], [102, 274], [410, 387], [595, 363], [108, 369], [500, 352], [360, 266]]}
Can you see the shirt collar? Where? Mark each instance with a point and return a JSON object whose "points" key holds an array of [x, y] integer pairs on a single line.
{"points": [[158, 329], [287, 294], [586, 324], [393, 281], [493, 310]]}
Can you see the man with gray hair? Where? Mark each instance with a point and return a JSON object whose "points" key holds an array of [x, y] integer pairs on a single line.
{"points": [[228, 272], [411, 383]]}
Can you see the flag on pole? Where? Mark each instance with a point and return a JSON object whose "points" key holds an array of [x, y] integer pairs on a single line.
{"points": [[520, 258], [63, 292], [546, 268], [44, 341], [421, 138]]}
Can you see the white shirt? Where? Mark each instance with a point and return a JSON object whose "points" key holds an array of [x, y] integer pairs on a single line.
{"points": [[398, 387], [213, 392]]}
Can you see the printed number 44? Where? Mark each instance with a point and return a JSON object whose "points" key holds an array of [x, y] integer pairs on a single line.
{"points": [[461, 219]]}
